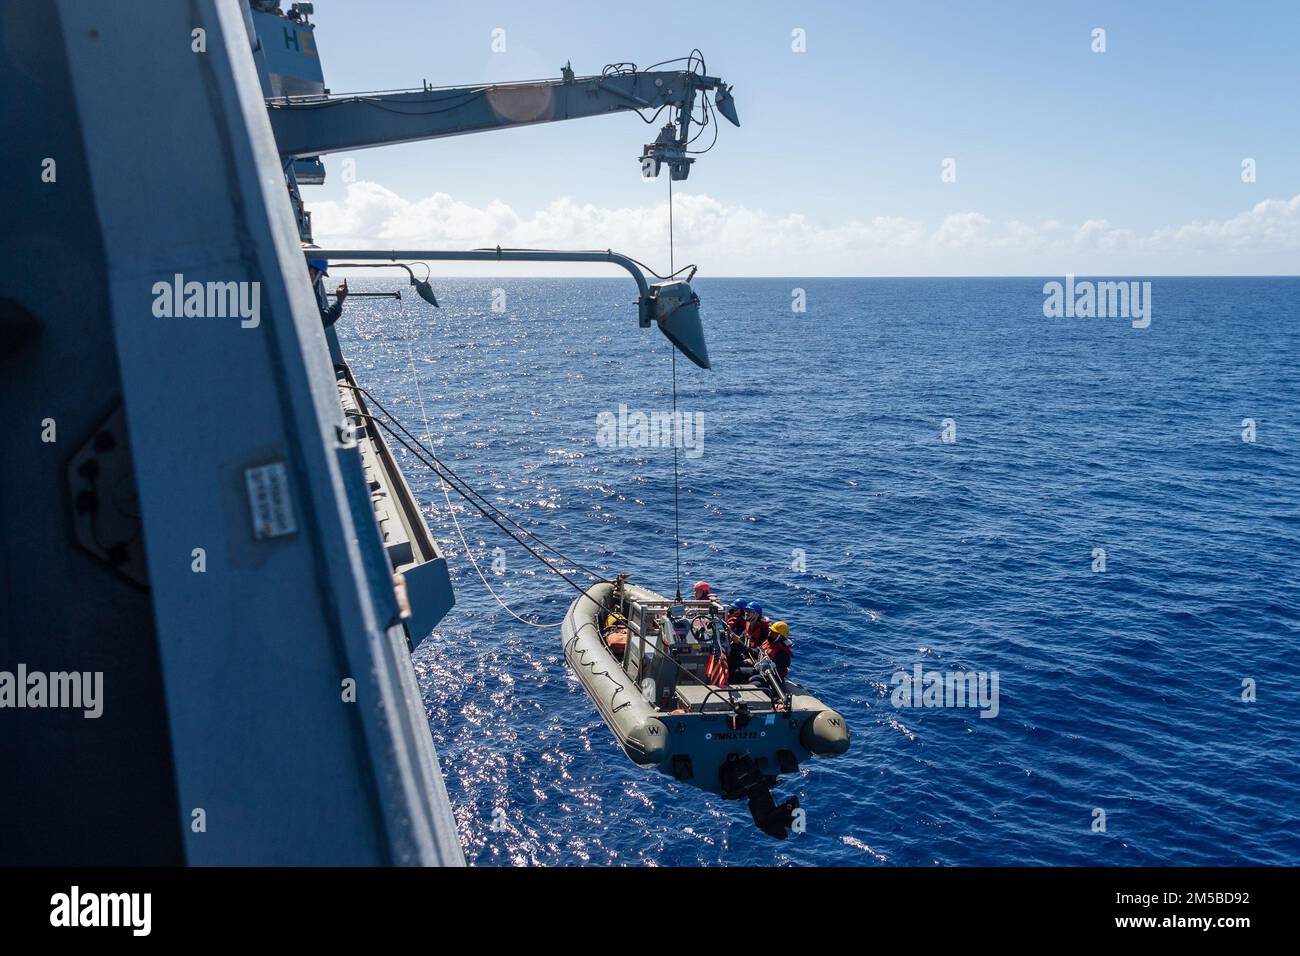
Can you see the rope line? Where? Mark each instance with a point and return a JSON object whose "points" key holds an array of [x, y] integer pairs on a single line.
{"points": [[433, 464], [463, 487], [443, 481], [677, 508], [446, 494], [470, 554]]}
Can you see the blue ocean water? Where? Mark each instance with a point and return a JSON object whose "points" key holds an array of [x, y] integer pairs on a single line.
{"points": [[1120, 690]]}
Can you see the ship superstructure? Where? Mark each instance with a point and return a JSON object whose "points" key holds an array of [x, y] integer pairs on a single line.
{"points": [[197, 509]]}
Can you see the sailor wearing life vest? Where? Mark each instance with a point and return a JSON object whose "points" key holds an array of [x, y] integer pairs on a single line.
{"points": [[756, 626], [778, 647], [736, 616], [705, 593]]}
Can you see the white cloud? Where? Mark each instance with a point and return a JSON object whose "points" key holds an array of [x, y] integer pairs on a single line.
{"points": [[739, 240]]}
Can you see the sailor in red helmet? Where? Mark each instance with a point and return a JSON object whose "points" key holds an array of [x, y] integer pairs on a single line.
{"points": [[705, 593]]}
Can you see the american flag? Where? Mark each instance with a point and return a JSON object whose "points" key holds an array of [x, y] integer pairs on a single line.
{"points": [[717, 670]]}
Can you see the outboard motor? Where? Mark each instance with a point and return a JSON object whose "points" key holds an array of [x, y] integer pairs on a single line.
{"points": [[741, 776]]}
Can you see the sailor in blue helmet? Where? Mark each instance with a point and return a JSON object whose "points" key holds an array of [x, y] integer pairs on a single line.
{"points": [[756, 626], [318, 269], [740, 662], [736, 616]]}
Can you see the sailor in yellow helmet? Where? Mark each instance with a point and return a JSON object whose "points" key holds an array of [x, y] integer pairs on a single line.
{"points": [[778, 647]]}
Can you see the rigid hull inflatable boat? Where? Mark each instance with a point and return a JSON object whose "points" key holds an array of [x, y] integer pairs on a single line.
{"points": [[649, 664]]}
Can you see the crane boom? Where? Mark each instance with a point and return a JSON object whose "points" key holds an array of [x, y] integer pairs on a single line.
{"points": [[314, 125]]}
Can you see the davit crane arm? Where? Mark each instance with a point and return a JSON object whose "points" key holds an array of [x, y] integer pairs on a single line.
{"points": [[313, 125]]}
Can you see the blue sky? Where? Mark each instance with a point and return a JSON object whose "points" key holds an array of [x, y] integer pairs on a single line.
{"points": [[836, 168]]}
